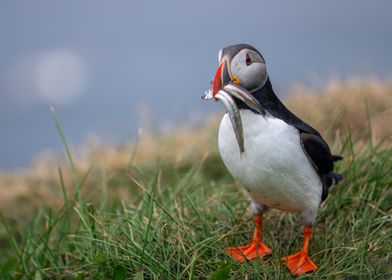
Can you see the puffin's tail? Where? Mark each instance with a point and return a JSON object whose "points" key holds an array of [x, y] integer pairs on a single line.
{"points": [[333, 178], [330, 179], [336, 158]]}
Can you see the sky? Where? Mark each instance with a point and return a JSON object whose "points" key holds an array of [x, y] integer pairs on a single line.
{"points": [[101, 64]]}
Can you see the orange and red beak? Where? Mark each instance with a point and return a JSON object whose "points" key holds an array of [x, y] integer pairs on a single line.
{"points": [[217, 83], [221, 78]]}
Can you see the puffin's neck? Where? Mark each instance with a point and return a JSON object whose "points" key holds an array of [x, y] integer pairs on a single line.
{"points": [[267, 99]]}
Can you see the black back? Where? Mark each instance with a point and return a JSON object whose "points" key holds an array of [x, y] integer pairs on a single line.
{"points": [[271, 103]]}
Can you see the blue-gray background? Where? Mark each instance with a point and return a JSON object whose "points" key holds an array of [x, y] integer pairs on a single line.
{"points": [[99, 62]]}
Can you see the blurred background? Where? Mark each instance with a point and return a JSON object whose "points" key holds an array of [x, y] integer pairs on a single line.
{"points": [[143, 183], [109, 66]]}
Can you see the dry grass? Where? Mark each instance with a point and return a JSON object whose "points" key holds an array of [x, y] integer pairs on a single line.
{"points": [[332, 110], [341, 106]]}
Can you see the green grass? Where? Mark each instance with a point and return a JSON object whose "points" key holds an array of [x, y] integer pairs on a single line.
{"points": [[179, 218]]}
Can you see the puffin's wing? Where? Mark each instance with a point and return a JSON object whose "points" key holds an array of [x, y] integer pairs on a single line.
{"points": [[321, 158], [317, 152]]}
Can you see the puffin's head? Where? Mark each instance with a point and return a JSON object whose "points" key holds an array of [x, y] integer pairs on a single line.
{"points": [[241, 65], [241, 72]]}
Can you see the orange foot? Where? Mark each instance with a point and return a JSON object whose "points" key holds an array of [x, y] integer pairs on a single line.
{"points": [[248, 252], [255, 249], [300, 263]]}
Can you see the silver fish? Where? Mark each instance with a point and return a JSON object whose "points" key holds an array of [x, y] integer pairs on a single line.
{"points": [[232, 111], [207, 95], [245, 96]]}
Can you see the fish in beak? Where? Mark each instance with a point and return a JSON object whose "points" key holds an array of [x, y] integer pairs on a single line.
{"points": [[224, 88]]}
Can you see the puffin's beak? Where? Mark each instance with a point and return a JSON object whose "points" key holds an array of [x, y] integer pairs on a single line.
{"points": [[217, 82], [221, 78]]}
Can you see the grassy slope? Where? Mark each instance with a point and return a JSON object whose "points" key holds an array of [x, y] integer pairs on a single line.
{"points": [[171, 219]]}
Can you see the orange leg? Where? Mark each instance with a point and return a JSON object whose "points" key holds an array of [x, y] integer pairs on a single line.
{"points": [[300, 263], [255, 249]]}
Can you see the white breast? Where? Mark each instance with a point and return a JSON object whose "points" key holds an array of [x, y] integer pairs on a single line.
{"points": [[273, 168]]}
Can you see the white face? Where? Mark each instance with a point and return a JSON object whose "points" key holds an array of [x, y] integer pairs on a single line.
{"points": [[250, 69]]}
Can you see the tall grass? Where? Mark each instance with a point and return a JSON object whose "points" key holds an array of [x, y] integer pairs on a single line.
{"points": [[170, 218]]}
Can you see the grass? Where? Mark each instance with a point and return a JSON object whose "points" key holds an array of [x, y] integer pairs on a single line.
{"points": [[171, 219]]}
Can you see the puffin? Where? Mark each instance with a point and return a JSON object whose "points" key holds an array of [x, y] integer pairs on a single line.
{"points": [[280, 161]]}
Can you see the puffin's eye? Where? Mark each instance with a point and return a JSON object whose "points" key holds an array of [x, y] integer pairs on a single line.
{"points": [[248, 60]]}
